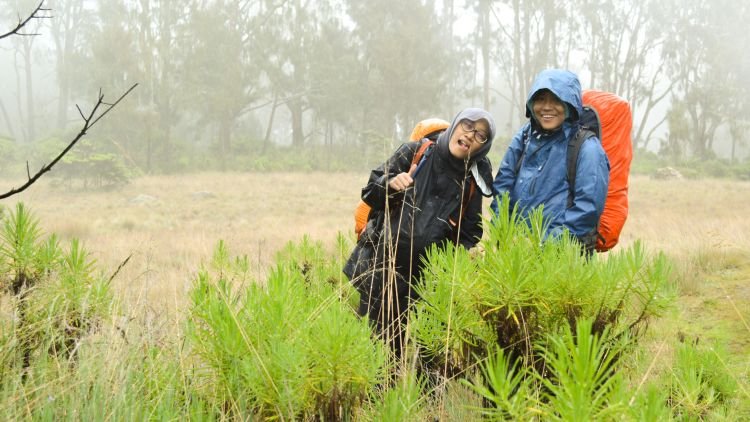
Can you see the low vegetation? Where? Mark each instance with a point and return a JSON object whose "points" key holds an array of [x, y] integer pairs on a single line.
{"points": [[520, 329]]}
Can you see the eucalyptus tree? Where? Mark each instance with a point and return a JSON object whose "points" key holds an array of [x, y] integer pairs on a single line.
{"points": [[223, 68], [293, 44], [622, 41], [485, 41], [405, 66], [111, 61], [162, 38], [534, 34], [72, 18], [333, 68], [24, 56], [704, 63]]}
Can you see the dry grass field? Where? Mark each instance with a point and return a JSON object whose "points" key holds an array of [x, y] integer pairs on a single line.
{"points": [[170, 224]]}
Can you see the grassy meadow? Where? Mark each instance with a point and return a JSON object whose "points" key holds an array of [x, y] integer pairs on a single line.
{"points": [[169, 225]]}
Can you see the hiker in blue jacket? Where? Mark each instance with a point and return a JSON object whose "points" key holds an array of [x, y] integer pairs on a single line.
{"points": [[534, 169], [419, 205]]}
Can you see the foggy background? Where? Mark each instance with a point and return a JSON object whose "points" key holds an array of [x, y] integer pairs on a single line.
{"points": [[336, 84]]}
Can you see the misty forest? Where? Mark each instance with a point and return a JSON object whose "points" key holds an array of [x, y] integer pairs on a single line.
{"points": [[178, 180], [227, 85]]}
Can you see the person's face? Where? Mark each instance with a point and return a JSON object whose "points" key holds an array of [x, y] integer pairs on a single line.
{"points": [[468, 138], [548, 110]]}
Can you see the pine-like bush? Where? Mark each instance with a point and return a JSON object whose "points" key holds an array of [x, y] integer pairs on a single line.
{"points": [[290, 347]]}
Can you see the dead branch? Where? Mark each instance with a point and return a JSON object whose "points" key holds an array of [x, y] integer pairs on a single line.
{"points": [[88, 122], [36, 14]]}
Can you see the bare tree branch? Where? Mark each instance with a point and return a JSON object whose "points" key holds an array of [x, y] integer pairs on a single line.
{"points": [[36, 14], [88, 122]]}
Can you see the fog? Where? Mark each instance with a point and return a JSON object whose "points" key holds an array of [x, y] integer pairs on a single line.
{"points": [[334, 84]]}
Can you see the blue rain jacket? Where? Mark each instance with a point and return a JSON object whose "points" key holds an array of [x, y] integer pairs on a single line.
{"points": [[542, 176]]}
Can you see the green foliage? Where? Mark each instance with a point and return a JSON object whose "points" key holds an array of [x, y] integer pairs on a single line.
{"points": [[72, 303], [288, 348], [646, 162], [93, 170], [447, 323], [505, 387], [700, 385], [58, 298], [583, 382], [404, 402], [19, 247], [523, 287], [531, 329]]}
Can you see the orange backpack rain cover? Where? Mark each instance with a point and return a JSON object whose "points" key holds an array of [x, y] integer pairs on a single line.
{"points": [[616, 122]]}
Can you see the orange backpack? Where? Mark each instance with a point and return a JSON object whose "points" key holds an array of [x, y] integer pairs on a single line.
{"points": [[428, 128], [615, 123]]}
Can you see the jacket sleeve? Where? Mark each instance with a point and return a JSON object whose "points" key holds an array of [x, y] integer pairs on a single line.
{"points": [[471, 226], [376, 191], [592, 181], [506, 174]]}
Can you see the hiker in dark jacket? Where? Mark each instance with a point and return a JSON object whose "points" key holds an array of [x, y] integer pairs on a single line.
{"points": [[416, 206], [534, 168]]}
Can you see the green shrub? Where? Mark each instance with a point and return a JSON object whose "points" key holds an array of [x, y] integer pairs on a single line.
{"points": [[523, 288], [59, 300], [700, 385], [290, 347], [403, 403]]}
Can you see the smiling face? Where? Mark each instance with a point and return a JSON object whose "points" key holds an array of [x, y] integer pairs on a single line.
{"points": [[465, 139], [549, 111]]}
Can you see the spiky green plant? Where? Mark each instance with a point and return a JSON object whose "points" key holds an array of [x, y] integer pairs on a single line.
{"points": [[650, 405], [506, 387], [447, 323], [583, 381], [700, 385], [404, 402], [524, 287], [289, 348], [19, 249], [72, 303]]}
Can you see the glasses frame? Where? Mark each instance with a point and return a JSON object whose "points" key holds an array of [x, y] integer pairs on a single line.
{"points": [[469, 126]]}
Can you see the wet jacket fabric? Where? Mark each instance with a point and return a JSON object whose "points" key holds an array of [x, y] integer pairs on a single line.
{"points": [[428, 212], [407, 223], [542, 176]]}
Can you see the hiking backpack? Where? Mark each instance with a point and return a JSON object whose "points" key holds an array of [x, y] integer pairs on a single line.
{"points": [[608, 117]]}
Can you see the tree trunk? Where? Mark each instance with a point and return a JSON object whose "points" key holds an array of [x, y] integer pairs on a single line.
{"points": [[485, 16], [225, 140], [269, 127], [295, 108], [30, 120], [11, 133]]}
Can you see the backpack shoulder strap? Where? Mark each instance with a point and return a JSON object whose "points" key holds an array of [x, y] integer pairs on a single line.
{"points": [[574, 147], [524, 142], [417, 159]]}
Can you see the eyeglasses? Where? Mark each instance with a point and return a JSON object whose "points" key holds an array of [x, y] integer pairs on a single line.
{"points": [[469, 126]]}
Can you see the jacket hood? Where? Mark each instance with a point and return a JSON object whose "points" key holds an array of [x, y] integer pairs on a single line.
{"points": [[473, 114], [565, 85]]}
